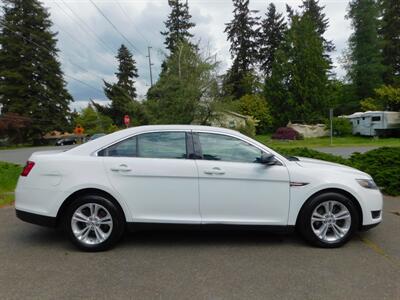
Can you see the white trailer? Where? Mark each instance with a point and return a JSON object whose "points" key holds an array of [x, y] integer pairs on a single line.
{"points": [[375, 123]]}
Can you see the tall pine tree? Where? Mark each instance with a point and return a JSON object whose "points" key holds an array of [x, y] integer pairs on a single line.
{"points": [[366, 68], [31, 80], [123, 93], [178, 25], [314, 11], [242, 33], [127, 71], [390, 32], [271, 35], [298, 87]]}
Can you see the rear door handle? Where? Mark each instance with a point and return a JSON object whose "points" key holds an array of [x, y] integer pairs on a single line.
{"points": [[121, 168], [214, 171]]}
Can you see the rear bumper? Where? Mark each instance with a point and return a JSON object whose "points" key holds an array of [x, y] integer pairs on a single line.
{"points": [[36, 219]]}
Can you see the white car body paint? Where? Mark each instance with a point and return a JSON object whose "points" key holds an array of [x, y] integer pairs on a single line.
{"points": [[189, 191]]}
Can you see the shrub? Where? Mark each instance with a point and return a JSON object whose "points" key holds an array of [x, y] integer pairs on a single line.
{"points": [[383, 165], [256, 107], [249, 129], [286, 133], [341, 126]]}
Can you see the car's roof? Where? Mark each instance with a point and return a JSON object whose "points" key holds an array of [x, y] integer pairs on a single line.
{"points": [[179, 127], [95, 144]]}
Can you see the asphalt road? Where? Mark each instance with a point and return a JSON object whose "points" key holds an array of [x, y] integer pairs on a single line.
{"points": [[21, 155], [39, 263]]}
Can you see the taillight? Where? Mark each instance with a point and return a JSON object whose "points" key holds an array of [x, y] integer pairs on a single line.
{"points": [[28, 167]]}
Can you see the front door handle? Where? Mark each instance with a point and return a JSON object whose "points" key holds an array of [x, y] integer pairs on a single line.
{"points": [[214, 171], [121, 168]]}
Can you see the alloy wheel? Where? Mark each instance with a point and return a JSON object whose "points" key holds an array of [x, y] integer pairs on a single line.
{"points": [[91, 224], [331, 221]]}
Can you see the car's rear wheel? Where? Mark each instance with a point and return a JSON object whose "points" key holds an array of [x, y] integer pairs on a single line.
{"points": [[94, 223], [328, 220]]}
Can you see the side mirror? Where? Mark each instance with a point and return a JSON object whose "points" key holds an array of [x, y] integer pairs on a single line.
{"points": [[268, 159]]}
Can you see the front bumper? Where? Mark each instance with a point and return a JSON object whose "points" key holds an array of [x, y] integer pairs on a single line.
{"points": [[368, 227], [36, 219]]}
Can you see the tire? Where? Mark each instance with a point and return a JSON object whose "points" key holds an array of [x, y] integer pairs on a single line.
{"points": [[94, 223], [328, 220]]}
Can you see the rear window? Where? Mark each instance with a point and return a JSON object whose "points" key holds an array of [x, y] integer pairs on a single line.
{"points": [[150, 145]]}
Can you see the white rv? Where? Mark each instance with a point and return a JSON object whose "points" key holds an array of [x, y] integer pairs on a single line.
{"points": [[375, 123]]}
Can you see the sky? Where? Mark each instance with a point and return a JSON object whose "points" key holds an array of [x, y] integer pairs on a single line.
{"points": [[88, 43]]}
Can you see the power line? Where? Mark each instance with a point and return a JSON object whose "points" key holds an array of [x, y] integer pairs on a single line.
{"points": [[74, 64], [129, 20], [48, 50], [71, 36], [115, 27], [150, 64], [155, 33], [86, 27]]}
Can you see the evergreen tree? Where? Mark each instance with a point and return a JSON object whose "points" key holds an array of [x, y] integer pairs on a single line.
{"points": [[242, 34], [271, 35], [31, 80], [391, 40], [366, 68], [123, 93], [298, 87], [314, 11], [178, 24], [127, 71]]}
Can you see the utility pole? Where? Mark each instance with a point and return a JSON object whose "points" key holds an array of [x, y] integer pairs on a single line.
{"points": [[150, 64], [331, 123]]}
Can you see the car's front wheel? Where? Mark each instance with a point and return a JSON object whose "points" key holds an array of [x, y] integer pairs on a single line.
{"points": [[94, 223], [328, 220]]}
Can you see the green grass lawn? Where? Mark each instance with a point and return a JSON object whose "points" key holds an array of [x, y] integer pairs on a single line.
{"points": [[9, 174], [349, 141]]}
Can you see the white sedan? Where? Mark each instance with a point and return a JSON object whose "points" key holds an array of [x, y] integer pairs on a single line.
{"points": [[192, 175]]}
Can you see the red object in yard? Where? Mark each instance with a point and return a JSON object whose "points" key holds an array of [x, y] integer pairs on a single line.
{"points": [[127, 120], [286, 133], [28, 167]]}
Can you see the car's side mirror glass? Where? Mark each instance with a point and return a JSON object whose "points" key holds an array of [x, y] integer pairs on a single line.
{"points": [[268, 159]]}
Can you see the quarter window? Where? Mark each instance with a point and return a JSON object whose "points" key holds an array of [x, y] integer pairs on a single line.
{"points": [[126, 148], [226, 148]]}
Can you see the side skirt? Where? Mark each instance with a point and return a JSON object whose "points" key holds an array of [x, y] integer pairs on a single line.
{"points": [[136, 226]]}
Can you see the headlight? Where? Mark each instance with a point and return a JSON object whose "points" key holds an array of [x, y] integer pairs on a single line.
{"points": [[367, 183]]}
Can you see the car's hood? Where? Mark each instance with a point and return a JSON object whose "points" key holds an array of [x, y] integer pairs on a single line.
{"points": [[327, 166]]}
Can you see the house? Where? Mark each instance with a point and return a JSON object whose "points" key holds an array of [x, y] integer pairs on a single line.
{"points": [[228, 119], [310, 131], [375, 123]]}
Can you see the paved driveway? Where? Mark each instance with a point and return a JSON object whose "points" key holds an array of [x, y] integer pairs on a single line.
{"points": [[345, 152], [39, 263]]}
